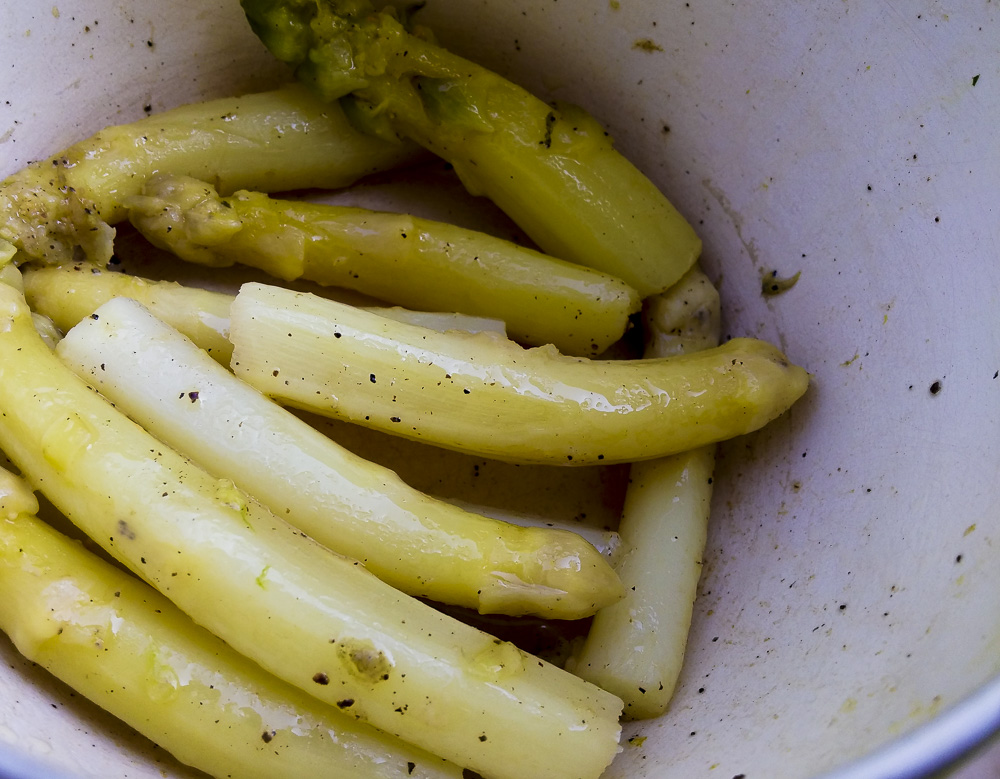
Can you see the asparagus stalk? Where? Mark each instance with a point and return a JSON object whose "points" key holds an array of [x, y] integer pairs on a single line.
{"points": [[315, 619], [132, 652], [420, 545], [414, 262], [635, 647], [272, 141], [67, 294], [483, 394], [553, 169]]}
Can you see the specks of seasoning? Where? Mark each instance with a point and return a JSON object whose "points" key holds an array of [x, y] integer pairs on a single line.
{"points": [[936, 387], [975, 79], [394, 419], [771, 284], [550, 121], [267, 736], [125, 530], [346, 703], [94, 317], [321, 678], [958, 558], [371, 377], [647, 45], [843, 607], [482, 737], [409, 767], [193, 395]]}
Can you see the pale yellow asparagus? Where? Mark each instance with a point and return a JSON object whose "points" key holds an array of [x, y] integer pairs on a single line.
{"points": [[68, 293], [16, 497], [635, 647], [128, 649], [420, 545], [313, 618], [11, 275], [417, 263], [551, 167], [271, 141], [487, 395]]}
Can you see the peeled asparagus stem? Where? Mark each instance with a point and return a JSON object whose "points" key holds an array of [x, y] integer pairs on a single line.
{"points": [[635, 647], [271, 141], [70, 293], [417, 263], [128, 649], [315, 619], [486, 395], [420, 545], [551, 168]]}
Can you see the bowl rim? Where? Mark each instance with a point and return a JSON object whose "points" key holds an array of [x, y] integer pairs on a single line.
{"points": [[935, 746], [928, 750]]}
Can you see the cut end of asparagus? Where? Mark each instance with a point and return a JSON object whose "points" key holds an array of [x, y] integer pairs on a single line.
{"points": [[566, 574]]}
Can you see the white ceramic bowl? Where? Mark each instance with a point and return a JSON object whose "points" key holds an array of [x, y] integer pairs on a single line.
{"points": [[849, 619]]}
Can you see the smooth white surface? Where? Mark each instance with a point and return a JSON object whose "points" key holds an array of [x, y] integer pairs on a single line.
{"points": [[840, 139]]}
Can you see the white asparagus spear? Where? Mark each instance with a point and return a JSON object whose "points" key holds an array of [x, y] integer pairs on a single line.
{"points": [[315, 619], [128, 649], [489, 396], [635, 648], [420, 545]]}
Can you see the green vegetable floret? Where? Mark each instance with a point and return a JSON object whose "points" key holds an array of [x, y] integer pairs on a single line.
{"points": [[553, 169]]}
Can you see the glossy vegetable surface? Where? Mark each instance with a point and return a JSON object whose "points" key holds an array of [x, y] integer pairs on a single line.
{"points": [[552, 169], [484, 394], [420, 545], [129, 650], [412, 262], [285, 139], [313, 618]]}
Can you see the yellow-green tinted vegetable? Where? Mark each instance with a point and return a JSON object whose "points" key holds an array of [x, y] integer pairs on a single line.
{"points": [[417, 263], [129, 650], [16, 497], [635, 648], [11, 275], [314, 619], [484, 394], [422, 546], [552, 169], [280, 140], [69, 293]]}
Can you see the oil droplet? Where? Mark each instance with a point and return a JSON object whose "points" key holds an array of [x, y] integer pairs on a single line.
{"points": [[499, 660], [161, 681], [66, 440]]}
